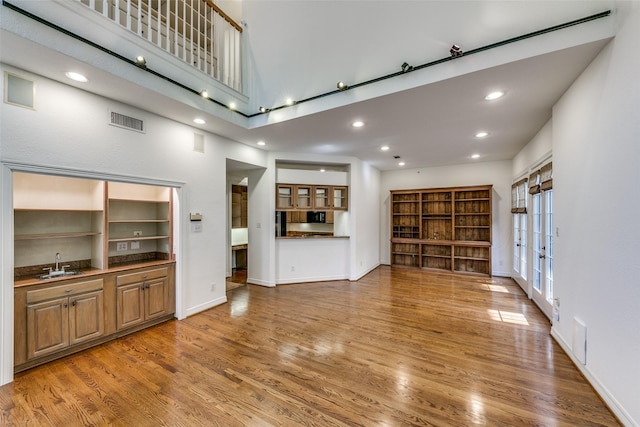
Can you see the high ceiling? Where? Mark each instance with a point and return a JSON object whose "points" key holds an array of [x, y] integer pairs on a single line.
{"points": [[428, 117]]}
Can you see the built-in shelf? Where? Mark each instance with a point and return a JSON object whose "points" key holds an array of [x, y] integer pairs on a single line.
{"points": [[443, 229], [55, 235], [86, 220]]}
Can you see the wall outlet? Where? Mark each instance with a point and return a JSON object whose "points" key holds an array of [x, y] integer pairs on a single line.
{"points": [[293, 268], [135, 245], [137, 234], [121, 246], [213, 287]]}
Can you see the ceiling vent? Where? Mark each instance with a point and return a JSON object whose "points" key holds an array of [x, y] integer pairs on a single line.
{"points": [[126, 122]]}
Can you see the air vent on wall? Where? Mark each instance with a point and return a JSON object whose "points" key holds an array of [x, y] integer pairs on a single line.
{"points": [[126, 122]]}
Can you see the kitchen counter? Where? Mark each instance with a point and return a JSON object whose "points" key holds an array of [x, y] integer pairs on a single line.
{"points": [[87, 273]]}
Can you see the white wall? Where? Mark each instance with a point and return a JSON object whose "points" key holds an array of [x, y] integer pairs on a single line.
{"points": [[497, 174], [596, 148], [364, 208], [68, 133], [536, 151]]}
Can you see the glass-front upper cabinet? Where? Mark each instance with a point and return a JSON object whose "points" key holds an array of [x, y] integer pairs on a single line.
{"points": [[284, 196], [303, 196], [340, 199], [321, 198]]}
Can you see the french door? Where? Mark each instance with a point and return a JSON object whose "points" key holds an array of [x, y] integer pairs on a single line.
{"points": [[520, 245], [542, 262]]}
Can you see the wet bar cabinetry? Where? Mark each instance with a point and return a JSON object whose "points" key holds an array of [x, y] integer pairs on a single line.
{"points": [[115, 242], [443, 229], [54, 318]]}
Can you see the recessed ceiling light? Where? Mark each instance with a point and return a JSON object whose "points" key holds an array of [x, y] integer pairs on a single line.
{"points": [[401, 164], [289, 101], [384, 148], [321, 170], [232, 105], [199, 121], [357, 124], [482, 134], [262, 143], [76, 76], [204, 94], [475, 156], [494, 95]]}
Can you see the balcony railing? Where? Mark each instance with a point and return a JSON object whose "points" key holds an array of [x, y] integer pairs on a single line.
{"points": [[196, 31]]}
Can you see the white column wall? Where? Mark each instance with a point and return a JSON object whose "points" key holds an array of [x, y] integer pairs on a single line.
{"points": [[496, 173], [596, 148]]}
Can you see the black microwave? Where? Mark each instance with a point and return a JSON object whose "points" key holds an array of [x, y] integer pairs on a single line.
{"points": [[316, 217]]}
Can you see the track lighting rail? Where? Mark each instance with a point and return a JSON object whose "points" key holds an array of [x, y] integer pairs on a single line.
{"points": [[340, 88]]}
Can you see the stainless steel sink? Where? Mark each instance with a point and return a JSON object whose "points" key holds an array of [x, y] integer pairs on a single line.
{"points": [[56, 274]]}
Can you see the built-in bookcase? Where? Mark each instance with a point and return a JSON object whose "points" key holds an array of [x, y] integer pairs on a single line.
{"points": [[443, 229]]}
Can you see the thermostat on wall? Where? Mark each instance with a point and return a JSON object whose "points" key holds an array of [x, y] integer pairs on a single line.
{"points": [[196, 217]]}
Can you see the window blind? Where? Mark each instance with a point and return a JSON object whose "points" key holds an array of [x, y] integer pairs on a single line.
{"points": [[546, 177], [518, 198], [534, 182]]}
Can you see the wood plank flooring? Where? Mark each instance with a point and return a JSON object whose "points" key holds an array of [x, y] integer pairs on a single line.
{"points": [[399, 347]]}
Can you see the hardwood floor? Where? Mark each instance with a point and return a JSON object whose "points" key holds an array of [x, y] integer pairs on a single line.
{"points": [[399, 347]]}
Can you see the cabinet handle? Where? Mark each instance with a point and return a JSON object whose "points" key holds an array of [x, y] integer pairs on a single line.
{"points": [[144, 277], [68, 290], [73, 303], [65, 305]]}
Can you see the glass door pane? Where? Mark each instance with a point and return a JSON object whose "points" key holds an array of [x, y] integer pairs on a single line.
{"points": [[516, 243], [523, 246], [549, 244], [536, 223]]}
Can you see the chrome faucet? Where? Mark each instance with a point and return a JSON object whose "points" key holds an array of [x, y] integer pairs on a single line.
{"points": [[57, 260]]}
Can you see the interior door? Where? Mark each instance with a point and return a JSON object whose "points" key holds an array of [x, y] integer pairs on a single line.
{"points": [[542, 262]]}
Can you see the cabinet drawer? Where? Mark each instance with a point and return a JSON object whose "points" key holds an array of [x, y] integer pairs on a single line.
{"points": [[63, 290], [141, 276]]}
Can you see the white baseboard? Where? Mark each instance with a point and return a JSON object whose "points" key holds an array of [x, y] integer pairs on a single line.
{"points": [[260, 282], [310, 279], [202, 307], [356, 278], [604, 393]]}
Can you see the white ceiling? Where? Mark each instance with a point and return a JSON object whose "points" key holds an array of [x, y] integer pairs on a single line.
{"points": [[428, 117]]}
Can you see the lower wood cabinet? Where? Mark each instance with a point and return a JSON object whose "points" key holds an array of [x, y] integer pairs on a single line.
{"points": [[55, 319], [55, 322], [142, 296]]}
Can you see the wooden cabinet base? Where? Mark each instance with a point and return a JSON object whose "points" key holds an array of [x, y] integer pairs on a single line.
{"points": [[80, 347], [55, 319]]}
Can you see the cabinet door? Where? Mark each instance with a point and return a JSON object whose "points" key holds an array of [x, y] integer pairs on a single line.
{"points": [[86, 317], [303, 196], [284, 196], [156, 298], [321, 198], [340, 198], [47, 327], [130, 305]]}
